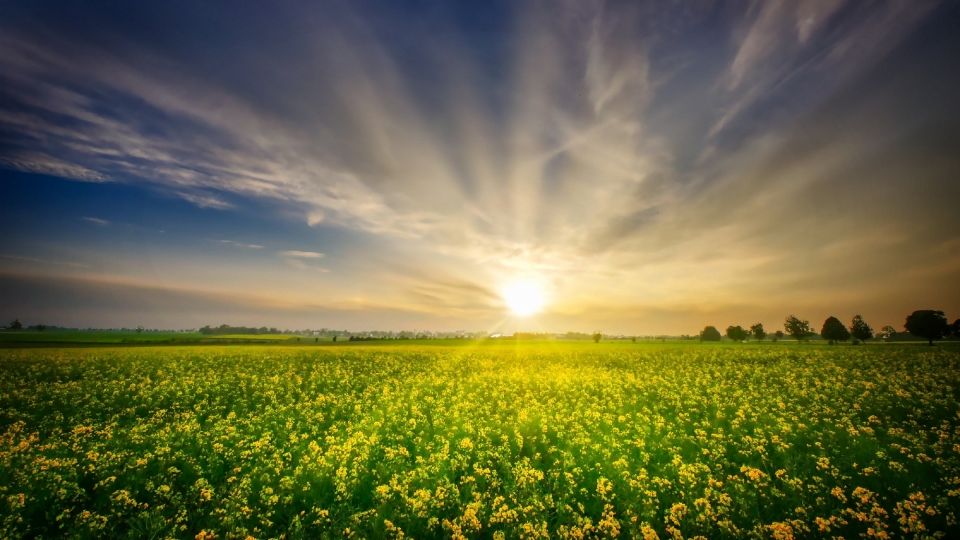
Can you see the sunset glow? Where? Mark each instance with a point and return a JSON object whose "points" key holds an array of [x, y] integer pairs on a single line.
{"points": [[661, 165], [524, 298]]}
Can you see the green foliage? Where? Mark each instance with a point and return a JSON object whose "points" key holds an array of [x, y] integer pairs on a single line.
{"points": [[224, 329], [833, 330], [798, 329], [887, 333], [710, 333], [15, 325], [859, 329], [596, 336], [485, 442], [777, 336], [736, 333], [758, 332], [928, 324]]}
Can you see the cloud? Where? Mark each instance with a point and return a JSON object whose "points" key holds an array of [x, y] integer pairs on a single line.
{"points": [[98, 221], [40, 163], [295, 259], [239, 244], [302, 254], [778, 48], [204, 201], [314, 218], [650, 155]]}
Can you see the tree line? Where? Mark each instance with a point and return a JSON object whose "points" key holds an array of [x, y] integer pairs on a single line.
{"points": [[924, 323], [225, 329]]}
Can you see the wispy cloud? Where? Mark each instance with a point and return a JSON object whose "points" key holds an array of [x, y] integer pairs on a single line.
{"points": [[645, 154], [204, 201], [40, 163], [98, 221], [239, 244], [302, 254]]}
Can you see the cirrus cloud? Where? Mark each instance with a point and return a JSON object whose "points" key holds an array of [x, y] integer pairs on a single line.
{"points": [[647, 154], [302, 254]]}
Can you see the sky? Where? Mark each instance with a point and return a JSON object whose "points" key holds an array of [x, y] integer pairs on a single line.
{"points": [[646, 167]]}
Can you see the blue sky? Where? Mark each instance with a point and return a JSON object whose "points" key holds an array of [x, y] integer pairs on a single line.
{"points": [[651, 167]]}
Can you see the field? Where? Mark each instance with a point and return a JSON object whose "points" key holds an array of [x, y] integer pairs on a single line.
{"points": [[491, 440], [91, 336], [84, 337]]}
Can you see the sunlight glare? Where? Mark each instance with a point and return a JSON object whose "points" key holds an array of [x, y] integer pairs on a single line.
{"points": [[523, 298]]}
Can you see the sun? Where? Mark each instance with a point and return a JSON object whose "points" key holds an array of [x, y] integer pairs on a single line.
{"points": [[524, 298]]}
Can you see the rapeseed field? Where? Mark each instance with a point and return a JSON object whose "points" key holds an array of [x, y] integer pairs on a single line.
{"points": [[534, 441]]}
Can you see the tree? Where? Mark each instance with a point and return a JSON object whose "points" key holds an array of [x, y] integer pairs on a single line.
{"points": [[887, 333], [860, 329], [798, 329], [596, 336], [40, 327], [710, 333], [634, 339], [736, 333], [16, 325], [777, 336], [834, 330], [928, 324], [955, 328], [139, 329], [758, 331]]}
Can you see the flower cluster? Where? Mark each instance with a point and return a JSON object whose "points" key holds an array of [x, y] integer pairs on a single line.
{"points": [[493, 441]]}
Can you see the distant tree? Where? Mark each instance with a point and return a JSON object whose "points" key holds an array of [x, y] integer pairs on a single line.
{"points": [[40, 327], [139, 329], [928, 324], [758, 332], [736, 333], [710, 333], [860, 329], [596, 337], [798, 329], [833, 330], [955, 328], [634, 338], [887, 333], [16, 325], [334, 338], [777, 336]]}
